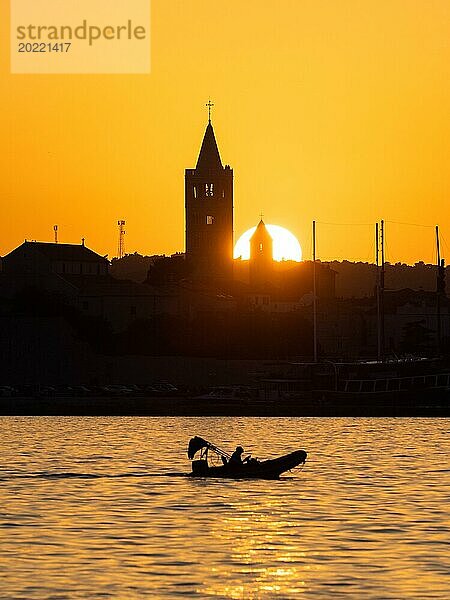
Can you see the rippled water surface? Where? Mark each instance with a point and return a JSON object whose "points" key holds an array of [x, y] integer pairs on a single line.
{"points": [[88, 509]]}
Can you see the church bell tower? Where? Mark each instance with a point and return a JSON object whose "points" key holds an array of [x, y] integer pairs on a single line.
{"points": [[209, 211], [261, 255]]}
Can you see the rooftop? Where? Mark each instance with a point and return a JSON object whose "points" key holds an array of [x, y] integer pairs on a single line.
{"points": [[209, 157], [65, 252]]}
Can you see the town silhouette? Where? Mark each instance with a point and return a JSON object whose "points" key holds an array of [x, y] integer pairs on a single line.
{"points": [[202, 325]]}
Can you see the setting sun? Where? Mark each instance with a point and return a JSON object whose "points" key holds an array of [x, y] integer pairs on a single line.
{"points": [[285, 244]]}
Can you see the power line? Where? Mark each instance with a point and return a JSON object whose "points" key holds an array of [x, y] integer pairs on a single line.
{"points": [[445, 243], [410, 224], [346, 224]]}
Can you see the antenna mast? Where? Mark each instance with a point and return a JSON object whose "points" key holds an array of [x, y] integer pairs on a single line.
{"points": [[382, 333], [377, 252], [314, 290], [55, 229], [121, 244], [440, 289]]}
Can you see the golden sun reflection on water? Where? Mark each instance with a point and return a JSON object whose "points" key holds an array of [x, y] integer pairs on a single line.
{"points": [[254, 540]]}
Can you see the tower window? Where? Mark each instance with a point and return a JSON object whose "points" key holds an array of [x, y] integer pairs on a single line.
{"points": [[209, 189], [223, 193], [194, 191], [260, 247], [209, 220]]}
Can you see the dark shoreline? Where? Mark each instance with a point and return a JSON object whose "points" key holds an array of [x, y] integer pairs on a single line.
{"points": [[181, 406]]}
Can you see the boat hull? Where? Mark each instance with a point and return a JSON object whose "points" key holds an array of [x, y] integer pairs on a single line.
{"points": [[266, 469]]}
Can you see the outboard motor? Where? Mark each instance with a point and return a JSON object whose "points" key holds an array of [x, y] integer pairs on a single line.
{"points": [[199, 467]]}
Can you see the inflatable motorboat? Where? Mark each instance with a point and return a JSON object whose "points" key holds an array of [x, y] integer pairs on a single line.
{"points": [[250, 468]]}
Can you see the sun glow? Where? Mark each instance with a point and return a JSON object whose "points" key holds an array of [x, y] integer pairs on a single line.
{"points": [[285, 244]]}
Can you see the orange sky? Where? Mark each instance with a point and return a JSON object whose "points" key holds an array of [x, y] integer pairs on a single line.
{"points": [[333, 110]]}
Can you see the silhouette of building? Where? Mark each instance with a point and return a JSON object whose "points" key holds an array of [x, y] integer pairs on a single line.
{"points": [[43, 258], [261, 255], [209, 212], [81, 279]]}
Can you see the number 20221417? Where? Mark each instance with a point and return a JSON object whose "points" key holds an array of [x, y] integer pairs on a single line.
{"points": [[44, 47]]}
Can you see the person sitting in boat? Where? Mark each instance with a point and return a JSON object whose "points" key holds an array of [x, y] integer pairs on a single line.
{"points": [[236, 457]]}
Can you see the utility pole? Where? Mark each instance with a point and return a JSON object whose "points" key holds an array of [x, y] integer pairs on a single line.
{"points": [[377, 252], [440, 290], [314, 290], [382, 274], [121, 244]]}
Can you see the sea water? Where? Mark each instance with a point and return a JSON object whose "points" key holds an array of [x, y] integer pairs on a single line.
{"points": [[100, 508]]}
